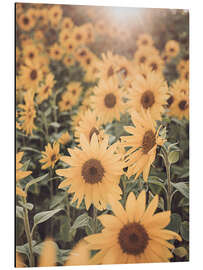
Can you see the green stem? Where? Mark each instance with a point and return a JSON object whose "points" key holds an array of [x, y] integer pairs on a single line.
{"points": [[95, 218], [51, 192], [28, 234], [167, 164]]}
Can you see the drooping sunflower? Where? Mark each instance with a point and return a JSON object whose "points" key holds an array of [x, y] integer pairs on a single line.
{"points": [[28, 114], [26, 22], [145, 40], [88, 125], [107, 66], [64, 138], [143, 144], [143, 53], [20, 174], [56, 52], [148, 94], [50, 155], [45, 90], [31, 75], [94, 173], [172, 48], [107, 100], [67, 24], [55, 14], [134, 234]]}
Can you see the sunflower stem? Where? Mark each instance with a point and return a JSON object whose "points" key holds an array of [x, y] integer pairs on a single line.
{"points": [[28, 234], [95, 218], [51, 191], [169, 185]]}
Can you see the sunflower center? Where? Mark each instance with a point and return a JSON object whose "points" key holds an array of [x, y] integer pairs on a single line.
{"points": [[170, 101], [124, 71], [149, 140], [83, 53], [33, 74], [92, 171], [46, 89], [183, 105], [26, 21], [73, 91], [144, 42], [78, 37], [186, 75], [31, 55], [56, 52], [172, 49], [154, 66], [147, 99], [142, 59], [53, 158], [92, 131], [133, 238], [67, 102], [110, 100], [110, 72]]}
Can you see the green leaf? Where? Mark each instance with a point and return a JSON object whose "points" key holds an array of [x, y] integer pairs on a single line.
{"points": [[155, 185], [30, 149], [54, 124], [175, 223], [184, 230], [162, 133], [28, 206], [24, 248], [57, 199], [25, 166], [182, 187], [81, 221], [180, 252], [34, 181], [44, 216], [19, 212], [173, 157]]}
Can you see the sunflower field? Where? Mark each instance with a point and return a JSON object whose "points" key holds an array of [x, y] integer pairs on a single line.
{"points": [[102, 135]]}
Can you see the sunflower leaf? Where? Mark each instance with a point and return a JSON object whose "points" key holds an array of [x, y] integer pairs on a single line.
{"points": [[184, 230], [34, 181], [81, 221], [182, 187], [19, 212], [173, 157], [44, 216]]}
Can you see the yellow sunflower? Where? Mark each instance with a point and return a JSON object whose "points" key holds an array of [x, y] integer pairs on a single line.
{"points": [[26, 22], [89, 32], [172, 48], [31, 75], [30, 52], [67, 102], [143, 143], [155, 63], [88, 61], [67, 24], [20, 174], [69, 46], [69, 60], [64, 138], [184, 75], [55, 14], [92, 72], [142, 55], [45, 90], [108, 100], [81, 53], [56, 52], [28, 114], [145, 40], [182, 66], [64, 36], [74, 89], [88, 125], [107, 66], [50, 155], [165, 57], [42, 16], [148, 94], [78, 35], [94, 173], [124, 67], [134, 234]]}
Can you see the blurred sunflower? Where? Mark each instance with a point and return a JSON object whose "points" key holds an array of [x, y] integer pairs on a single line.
{"points": [[144, 40], [30, 52], [78, 35], [124, 67], [20, 174], [165, 57], [172, 48], [50, 155], [55, 14], [81, 53], [74, 89], [68, 60], [184, 75], [88, 61], [19, 261], [28, 114], [143, 143], [56, 52], [94, 173], [92, 72], [134, 235], [67, 102], [31, 74], [155, 63], [88, 125], [64, 37], [42, 16], [182, 65], [89, 32], [64, 138], [32, 12], [26, 22], [69, 46], [67, 24], [108, 100], [45, 90], [142, 55], [148, 94], [39, 36]]}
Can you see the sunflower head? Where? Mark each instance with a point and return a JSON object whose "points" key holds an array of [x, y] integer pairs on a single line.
{"points": [[50, 155]]}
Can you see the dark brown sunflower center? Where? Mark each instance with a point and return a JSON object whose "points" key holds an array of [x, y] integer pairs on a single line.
{"points": [[183, 105], [172, 49], [56, 14], [154, 66], [144, 42], [46, 89], [92, 131], [67, 25], [92, 171], [142, 59], [53, 157], [88, 61], [124, 71], [31, 55], [170, 101], [149, 140], [73, 91], [133, 238], [70, 46], [26, 20], [33, 74], [110, 72], [186, 75], [83, 53], [56, 52], [110, 100], [78, 37], [147, 99], [67, 102]]}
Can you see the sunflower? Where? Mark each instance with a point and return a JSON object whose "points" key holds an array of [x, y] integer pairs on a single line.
{"points": [[74, 89], [144, 40], [172, 48], [31, 75], [68, 60], [149, 93], [124, 67], [64, 138], [165, 57], [107, 66], [32, 12], [50, 155], [108, 100], [92, 72], [142, 55], [81, 54], [39, 36], [184, 75], [30, 52], [55, 14], [94, 173], [66, 103], [143, 143], [56, 52], [20, 174], [28, 114], [89, 60], [78, 35], [134, 234], [89, 32], [42, 16], [69, 46], [67, 24], [64, 36], [79, 255], [45, 90], [26, 22], [182, 66], [88, 125], [155, 63]]}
